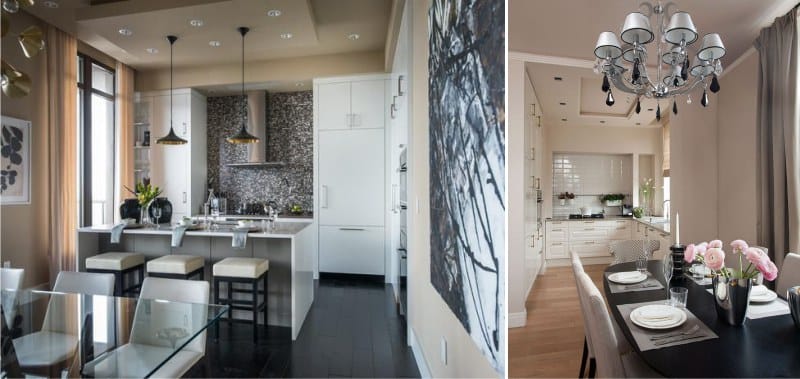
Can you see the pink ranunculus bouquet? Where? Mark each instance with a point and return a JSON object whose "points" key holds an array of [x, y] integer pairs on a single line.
{"points": [[712, 255]]}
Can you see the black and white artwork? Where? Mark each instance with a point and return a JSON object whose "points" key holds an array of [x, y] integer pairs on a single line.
{"points": [[15, 161], [466, 90]]}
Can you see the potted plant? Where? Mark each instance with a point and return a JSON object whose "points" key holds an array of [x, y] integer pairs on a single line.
{"points": [[613, 199], [638, 212], [570, 198], [562, 198], [732, 287], [145, 193]]}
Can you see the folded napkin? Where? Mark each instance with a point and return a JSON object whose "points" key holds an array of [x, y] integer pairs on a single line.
{"points": [[177, 235], [629, 275], [116, 231], [773, 308], [759, 290], [657, 316], [239, 239]]}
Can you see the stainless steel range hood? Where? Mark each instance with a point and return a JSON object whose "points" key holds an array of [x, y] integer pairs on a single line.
{"points": [[258, 153]]}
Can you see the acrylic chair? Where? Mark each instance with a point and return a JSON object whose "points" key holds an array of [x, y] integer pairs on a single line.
{"points": [[588, 351], [10, 280], [789, 274]]}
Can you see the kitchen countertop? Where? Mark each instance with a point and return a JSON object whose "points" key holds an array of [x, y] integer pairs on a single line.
{"points": [[306, 217], [282, 229], [662, 227]]}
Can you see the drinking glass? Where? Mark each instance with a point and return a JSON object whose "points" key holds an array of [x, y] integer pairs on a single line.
{"points": [[157, 216], [678, 296], [641, 264], [698, 271]]}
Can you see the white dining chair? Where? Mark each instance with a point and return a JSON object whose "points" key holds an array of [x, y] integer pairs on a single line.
{"points": [[630, 250], [11, 279], [57, 341], [610, 362], [588, 350], [145, 349], [789, 274]]}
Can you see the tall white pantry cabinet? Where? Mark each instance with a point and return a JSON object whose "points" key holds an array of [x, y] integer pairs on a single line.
{"points": [[179, 170], [351, 205]]}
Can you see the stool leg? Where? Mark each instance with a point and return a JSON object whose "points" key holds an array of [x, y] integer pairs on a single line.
{"points": [[141, 278], [118, 283], [255, 309], [266, 302], [216, 301], [230, 300]]}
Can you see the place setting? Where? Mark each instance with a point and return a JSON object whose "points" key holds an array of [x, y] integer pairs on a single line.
{"points": [[630, 281]]}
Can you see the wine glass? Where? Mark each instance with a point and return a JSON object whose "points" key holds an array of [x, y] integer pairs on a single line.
{"points": [[667, 265], [157, 216]]}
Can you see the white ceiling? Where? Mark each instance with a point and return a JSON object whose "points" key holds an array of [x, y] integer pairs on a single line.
{"points": [[566, 31], [318, 27]]}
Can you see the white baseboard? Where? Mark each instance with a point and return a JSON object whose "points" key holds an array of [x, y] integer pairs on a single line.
{"points": [[424, 372], [517, 319]]}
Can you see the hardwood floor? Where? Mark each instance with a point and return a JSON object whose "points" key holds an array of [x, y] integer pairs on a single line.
{"points": [[551, 343], [352, 330]]}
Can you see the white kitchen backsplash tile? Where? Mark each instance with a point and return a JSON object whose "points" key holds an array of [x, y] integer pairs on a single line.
{"points": [[588, 176]]}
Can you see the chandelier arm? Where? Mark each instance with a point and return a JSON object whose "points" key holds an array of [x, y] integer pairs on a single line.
{"points": [[649, 9], [667, 7], [688, 88], [621, 85]]}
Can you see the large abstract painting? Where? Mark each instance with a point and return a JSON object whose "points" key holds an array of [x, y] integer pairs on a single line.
{"points": [[467, 165]]}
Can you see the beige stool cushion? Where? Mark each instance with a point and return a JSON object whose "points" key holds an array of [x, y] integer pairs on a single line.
{"points": [[241, 267], [114, 261], [175, 264]]}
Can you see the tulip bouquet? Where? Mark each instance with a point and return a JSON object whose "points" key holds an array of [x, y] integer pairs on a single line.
{"points": [[712, 255]]}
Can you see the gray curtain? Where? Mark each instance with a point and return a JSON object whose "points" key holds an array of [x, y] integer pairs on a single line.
{"points": [[778, 138]]}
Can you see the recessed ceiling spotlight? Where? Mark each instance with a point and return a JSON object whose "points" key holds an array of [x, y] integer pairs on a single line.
{"points": [[196, 23], [602, 121], [649, 109], [126, 32], [562, 103], [214, 43], [638, 123], [274, 12], [151, 50], [563, 119], [353, 36], [558, 78], [287, 35], [50, 4]]}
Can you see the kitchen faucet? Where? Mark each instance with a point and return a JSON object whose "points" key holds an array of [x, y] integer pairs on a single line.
{"points": [[666, 208]]}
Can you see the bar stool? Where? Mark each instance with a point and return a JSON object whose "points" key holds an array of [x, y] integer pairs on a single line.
{"points": [[176, 266], [242, 270], [120, 264]]}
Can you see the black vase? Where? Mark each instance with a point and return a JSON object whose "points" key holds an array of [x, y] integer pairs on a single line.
{"points": [[130, 209], [166, 210]]}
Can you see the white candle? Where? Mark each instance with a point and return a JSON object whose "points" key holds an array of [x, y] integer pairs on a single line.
{"points": [[677, 228]]}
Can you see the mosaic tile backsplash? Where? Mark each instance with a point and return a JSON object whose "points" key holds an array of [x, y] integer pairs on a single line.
{"points": [[289, 139]]}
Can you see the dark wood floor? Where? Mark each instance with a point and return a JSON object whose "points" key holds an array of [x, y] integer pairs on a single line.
{"points": [[352, 330]]}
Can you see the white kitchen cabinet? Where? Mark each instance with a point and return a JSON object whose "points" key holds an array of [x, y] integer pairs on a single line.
{"points": [[584, 249], [351, 249], [179, 170], [557, 250], [351, 196]]}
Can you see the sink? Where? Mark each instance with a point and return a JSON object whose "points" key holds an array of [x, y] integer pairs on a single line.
{"points": [[656, 220]]}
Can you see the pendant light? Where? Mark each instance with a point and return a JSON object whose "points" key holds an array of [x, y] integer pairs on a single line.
{"points": [[171, 138], [243, 136]]}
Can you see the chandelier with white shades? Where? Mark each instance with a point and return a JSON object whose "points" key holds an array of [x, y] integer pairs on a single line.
{"points": [[625, 64]]}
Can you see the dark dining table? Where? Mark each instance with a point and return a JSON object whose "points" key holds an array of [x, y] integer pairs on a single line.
{"points": [[765, 347]]}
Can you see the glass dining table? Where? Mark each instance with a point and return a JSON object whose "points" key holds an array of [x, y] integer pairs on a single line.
{"points": [[55, 334], [763, 347]]}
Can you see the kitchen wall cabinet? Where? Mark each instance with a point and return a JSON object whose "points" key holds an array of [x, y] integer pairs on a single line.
{"points": [[351, 198], [179, 170]]}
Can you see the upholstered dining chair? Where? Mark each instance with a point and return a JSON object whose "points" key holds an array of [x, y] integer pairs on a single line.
{"points": [[610, 362], [789, 274], [57, 341], [136, 358], [588, 351], [10, 279], [630, 250]]}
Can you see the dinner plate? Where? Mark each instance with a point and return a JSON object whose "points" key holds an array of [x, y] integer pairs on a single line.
{"points": [[628, 277], [700, 270], [761, 294], [647, 316]]}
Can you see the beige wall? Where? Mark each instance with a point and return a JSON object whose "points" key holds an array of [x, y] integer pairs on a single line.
{"points": [[693, 169], [429, 317], [736, 141], [282, 70], [23, 228]]}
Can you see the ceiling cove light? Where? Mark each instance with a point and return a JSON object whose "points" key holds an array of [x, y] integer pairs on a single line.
{"points": [[243, 136], [287, 35], [151, 50], [674, 74], [171, 138], [196, 23], [126, 32], [214, 43], [274, 13]]}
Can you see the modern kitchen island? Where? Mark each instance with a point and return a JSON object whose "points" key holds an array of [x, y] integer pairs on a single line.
{"points": [[289, 246]]}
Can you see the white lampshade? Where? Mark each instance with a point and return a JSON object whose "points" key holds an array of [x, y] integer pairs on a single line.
{"points": [[628, 53], [712, 47], [701, 68], [669, 80], [672, 56], [607, 46], [681, 28], [636, 29]]}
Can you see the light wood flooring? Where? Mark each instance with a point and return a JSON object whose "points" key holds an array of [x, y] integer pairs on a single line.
{"points": [[551, 342]]}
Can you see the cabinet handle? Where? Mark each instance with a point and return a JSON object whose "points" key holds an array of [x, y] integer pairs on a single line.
{"points": [[184, 197], [588, 222], [556, 243], [556, 230], [555, 222], [664, 235], [588, 229], [622, 228], [185, 129], [352, 229], [589, 243], [621, 221], [324, 197]]}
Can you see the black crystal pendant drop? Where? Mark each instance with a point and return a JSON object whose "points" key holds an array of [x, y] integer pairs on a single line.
{"points": [[714, 84], [638, 106], [635, 74], [609, 99], [658, 113], [685, 69], [606, 85], [675, 82], [704, 100], [674, 107]]}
